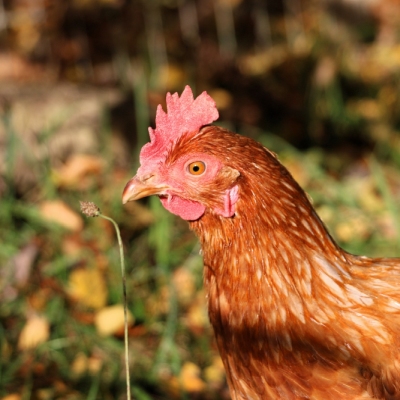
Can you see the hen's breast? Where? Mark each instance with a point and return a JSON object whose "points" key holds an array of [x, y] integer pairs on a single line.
{"points": [[266, 363]]}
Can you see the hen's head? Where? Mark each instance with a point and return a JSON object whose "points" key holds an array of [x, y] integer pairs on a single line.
{"points": [[179, 165]]}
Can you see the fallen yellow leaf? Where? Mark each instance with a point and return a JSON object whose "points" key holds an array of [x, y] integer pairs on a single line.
{"points": [[57, 211], [215, 373], [76, 169], [80, 364], [35, 332], [95, 365], [88, 287], [189, 378], [110, 320], [83, 364]]}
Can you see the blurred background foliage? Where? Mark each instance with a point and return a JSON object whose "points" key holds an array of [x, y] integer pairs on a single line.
{"points": [[316, 81]]}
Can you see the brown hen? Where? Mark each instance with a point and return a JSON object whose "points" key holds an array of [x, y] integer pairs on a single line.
{"points": [[294, 315]]}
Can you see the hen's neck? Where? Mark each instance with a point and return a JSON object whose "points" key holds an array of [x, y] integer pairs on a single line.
{"points": [[272, 249], [275, 227]]}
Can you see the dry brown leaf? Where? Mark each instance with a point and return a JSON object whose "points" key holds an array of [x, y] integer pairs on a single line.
{"points": [[72, 245], [325, 71], [59, 212], [23, 263], [39, 299], [189, 378], [172, 386], [35, 332], [110, 320], [88, 287], [14, 67], [76, 169]]}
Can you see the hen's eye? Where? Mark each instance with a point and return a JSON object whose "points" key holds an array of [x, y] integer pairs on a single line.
{"points": [[197, 167]]}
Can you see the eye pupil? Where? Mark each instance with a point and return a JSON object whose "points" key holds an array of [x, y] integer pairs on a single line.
{"points": [[197, 167]]}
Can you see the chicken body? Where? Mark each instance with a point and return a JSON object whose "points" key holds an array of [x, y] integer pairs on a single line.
{"points": [[294, 316]]}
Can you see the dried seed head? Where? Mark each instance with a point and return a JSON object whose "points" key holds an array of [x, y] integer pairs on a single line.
{"points": [[89, 209]]}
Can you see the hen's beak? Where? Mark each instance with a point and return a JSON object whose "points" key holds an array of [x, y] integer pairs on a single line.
{"points": [[136, 189]]}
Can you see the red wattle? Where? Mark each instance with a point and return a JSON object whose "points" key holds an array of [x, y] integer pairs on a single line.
{"points": [[186, 209]]}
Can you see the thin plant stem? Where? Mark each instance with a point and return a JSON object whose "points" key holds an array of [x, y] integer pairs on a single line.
{"points": [[91, 210], [122, 260]]}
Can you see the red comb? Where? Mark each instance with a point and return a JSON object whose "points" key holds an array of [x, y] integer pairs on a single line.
{"points": [[184, 115]]}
